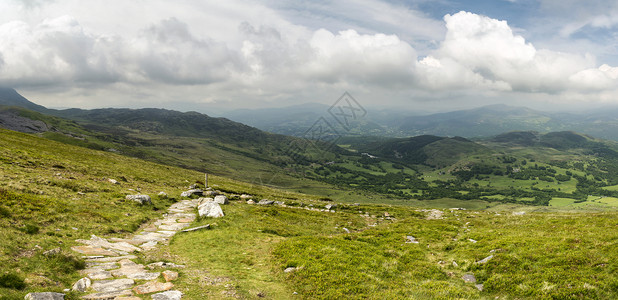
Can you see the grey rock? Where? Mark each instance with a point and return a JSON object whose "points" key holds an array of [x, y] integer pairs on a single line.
{"points": [[484, 260], [279, 203], [52, 252], [113, 181], [108, 295], [472, 241], [346, 230], [250, 201], [289, 270], [192, 192], [221, 199], [82, 285], [44, 296], [479, 287], [211, 193], [519, 213], [469, 278], [266, 202], [330, 206], [162, 194], [245, 197], [210, 209], [411, 240], [193, 186], [169, 295], [142, 199]]}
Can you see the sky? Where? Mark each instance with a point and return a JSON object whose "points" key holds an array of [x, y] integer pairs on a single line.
{"points": [[213, 56]]}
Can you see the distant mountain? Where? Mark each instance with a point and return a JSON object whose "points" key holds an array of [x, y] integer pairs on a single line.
{"points": [[11, 97]]}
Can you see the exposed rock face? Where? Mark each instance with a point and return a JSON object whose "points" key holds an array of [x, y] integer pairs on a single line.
{"points": [[142, 199], [210, 209], [12, 121], [44, 296]]}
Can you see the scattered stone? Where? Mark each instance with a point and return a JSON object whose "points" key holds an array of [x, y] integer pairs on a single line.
{"points": [[279, 203], [197, 228], [221, 199], [250, 201], [519, 213], [356, 204], [210, 209], [266, 202], [169, 295], [44, 296], [411, 240], [469, 278], [169, 275], [193, 186], [484, 260], [289, 269], [152, 287], [114, 285], [52, 252], [174, 227], [346, 230], [455, 264], [479, 286], [141, 199], [433, 214], [113, 181], [211, 193], [245, 197], [192, 192], [330, 206], [162, 194], [472, 241], [82, 285]]}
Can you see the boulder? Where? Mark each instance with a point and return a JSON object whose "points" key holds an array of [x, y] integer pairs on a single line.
{"points": [[210, 193], [169, 295], [44, 296], [266, 202], [210, 209], [169, 275], [81, 285], [469, 278], [221, 199], [192, 192], [142, 199], [485, 260], [152, 287]]}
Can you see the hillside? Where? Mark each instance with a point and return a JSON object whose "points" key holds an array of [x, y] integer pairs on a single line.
{"points": [[54, 194]]}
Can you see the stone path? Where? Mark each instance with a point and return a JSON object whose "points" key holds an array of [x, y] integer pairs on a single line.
{"points": [[111, 271]]}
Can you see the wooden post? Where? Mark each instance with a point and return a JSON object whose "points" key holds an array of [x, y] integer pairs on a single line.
{"points": [[205, 180]]}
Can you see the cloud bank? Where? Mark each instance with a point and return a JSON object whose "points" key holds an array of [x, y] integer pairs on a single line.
{"points": [[276, 61]]}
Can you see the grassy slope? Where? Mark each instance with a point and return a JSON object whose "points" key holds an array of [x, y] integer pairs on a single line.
{"points": [[55, 188]]}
